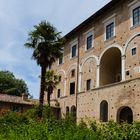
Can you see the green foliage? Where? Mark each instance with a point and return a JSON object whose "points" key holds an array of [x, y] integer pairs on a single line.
{"points": [[46, 42], [11, 85], [27, 126], [52, 80]]}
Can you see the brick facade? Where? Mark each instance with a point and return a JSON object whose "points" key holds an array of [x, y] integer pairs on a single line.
{"points": [[112, 65]]}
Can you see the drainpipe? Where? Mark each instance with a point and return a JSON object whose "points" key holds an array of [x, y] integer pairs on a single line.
{"points": [[77, 85]]}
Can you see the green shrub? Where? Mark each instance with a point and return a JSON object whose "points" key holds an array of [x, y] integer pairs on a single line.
{"points": [[27, 126]]}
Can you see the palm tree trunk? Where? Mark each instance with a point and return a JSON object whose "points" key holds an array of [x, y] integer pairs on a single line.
{"points": [[48, 98], [42, 89]]}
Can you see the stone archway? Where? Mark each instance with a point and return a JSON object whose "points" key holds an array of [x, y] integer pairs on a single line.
{"points": [[125, 114], [110, 66], [73, 112], [67, 111]]}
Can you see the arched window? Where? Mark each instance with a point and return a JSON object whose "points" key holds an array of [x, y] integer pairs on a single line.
{"points": [[104, 111], [125, 114], [73, 112], [67, 111]]}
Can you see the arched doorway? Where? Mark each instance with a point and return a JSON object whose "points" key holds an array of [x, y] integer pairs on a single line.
{"points": [[104, 111], [125, 114], [67, 111], [73, 112], [110, 66]]}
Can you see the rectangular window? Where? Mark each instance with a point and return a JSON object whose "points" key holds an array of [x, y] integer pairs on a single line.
{"points": [[49, 67], [89, 42], [134, 50], [110, 30], [73, 73], [58, 93], [72, 88], [16, 108], [89, 84], [60, 60], [73, 51], [136, 16]]}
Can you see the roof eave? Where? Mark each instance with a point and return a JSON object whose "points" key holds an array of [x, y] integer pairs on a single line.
{"points": [[91, 18]]}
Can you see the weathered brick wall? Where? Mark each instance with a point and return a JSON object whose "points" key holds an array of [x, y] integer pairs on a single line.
{"points": [[117, 95], [7, 107]]}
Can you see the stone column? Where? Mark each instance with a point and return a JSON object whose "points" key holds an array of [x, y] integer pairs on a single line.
{"points": [[98, 76], [80, 81], [123, 67], [65, 85]]}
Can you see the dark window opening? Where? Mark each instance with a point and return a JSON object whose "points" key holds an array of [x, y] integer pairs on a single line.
{"points": [[73, 73], [125, 115], [136, 16], [73, 113], [58, 93], [67, 111], [60, 60], [89, 84], [104, 111], [89, 42], [16, 108], [134, 50], [72, 88], [73, 53], [49, 67], [110, 30]]}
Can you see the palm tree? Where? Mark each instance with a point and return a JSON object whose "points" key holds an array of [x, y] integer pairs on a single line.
{"points": [[52, 80], [46, 43]]}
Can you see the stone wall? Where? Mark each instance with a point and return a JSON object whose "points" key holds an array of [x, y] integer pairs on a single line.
{"points": [[88, 64], [117, 95]]}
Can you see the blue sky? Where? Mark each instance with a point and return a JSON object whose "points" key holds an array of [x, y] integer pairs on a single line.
{"points": [[17, 18]]}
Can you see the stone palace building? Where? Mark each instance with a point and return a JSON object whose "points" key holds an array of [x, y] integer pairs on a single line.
{"points": [[100, 68]]}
